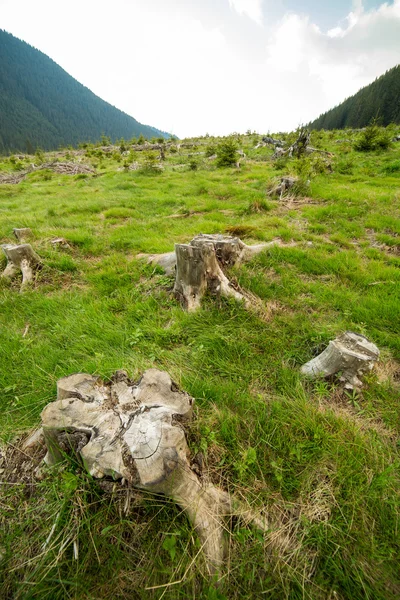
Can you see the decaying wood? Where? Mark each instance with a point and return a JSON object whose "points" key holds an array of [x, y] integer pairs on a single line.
{"points": [[300, 145], [59, 242], [200, 264], [286, 183], [228, 256], [166, 261], [21, 258], [13, 178], [270, 140], [148, 146], [351, 355], [299, 148], [64, 168], [198, 271], [136, 432], [23, 234]]}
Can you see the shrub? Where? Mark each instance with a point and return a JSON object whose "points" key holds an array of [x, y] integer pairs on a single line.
{"points": [[392, 167], [211, 149], [373, 137], [151, 164], [345, 166], [259, 206], [105, 140], [280, 163], [226, 153], [39, 156]]}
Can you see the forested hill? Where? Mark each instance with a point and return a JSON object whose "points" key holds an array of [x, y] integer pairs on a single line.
{"points": [[380, 99], [42, 106]]}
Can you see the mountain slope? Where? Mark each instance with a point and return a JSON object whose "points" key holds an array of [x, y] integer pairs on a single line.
{"points": [[42, 106], [380, 99]]}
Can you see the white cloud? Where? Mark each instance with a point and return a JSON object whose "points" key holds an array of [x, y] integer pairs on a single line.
{"points": [[192, 71], [250, 8], [330, 67]]}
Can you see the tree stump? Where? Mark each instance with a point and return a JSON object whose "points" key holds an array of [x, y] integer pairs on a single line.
{"points": [[300, 145], [200, 264], [21, 258], [351, 355], [286, 183], [228, 250], [59, 242], [198, 271], [23, 234], [136, 431]]}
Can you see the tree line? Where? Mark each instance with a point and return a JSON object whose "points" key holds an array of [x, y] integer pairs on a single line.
{"points": [[41, 106]]}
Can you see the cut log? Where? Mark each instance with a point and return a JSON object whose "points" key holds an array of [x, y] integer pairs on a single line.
{"points": [[351, 355], [21, 258], [136, 431], [23, 234]]}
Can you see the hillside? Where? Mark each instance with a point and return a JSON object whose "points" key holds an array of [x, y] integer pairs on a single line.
{"points": [[42, 106], [319, 462], [380, 99]]}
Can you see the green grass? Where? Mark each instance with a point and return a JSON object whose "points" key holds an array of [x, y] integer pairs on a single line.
{"points": [[323, 462]]}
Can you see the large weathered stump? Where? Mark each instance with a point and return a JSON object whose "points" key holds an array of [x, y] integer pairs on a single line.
{"points": [[135, 431], [21, 258], [351, 355]]}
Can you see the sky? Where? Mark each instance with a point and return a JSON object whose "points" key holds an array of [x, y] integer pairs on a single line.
{"points": [[192, 67]]}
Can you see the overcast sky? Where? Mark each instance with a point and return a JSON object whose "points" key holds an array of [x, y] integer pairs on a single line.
{"points": [[218, 66]]}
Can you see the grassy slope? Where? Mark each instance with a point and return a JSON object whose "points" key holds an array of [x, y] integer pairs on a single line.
{"points": [[323, 462]]}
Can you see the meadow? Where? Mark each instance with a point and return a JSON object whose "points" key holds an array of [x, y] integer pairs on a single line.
{"points": [[321, 461]]}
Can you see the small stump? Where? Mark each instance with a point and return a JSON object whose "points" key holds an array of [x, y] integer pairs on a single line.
{"points": [[21, 258], [23, 234], [351, 354], [286, 184]]}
